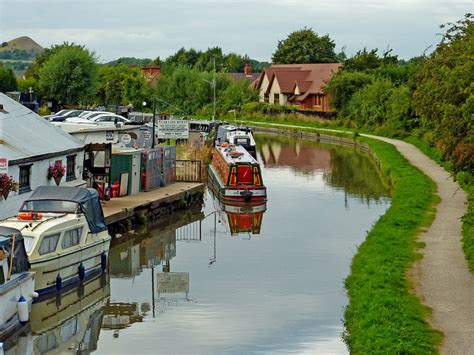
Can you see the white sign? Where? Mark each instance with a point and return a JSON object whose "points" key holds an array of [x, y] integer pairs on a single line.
{"points": [[147, 135], [173, 129], [173, 282], [3, 166], [126, 139]]}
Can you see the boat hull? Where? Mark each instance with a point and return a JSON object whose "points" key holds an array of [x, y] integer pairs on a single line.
{"points": [[10, 293], [240, 194], [67, 266]]}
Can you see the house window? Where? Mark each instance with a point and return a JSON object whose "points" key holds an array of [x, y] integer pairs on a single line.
{"points": [[266, 98], [24, 181], [48, 244], [71, 168], [71, 237], [276, 98]]}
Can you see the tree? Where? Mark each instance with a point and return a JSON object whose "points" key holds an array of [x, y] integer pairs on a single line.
{"points": [[7, 80], [305, 46], [69, 76], [344, 84], [444, 96]]}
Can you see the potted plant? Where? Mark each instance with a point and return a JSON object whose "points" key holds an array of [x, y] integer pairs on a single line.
{"points": [[7, 184], [56, 171]]}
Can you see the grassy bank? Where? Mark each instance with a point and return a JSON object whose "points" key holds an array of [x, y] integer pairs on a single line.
{"points": [[383, 315]]}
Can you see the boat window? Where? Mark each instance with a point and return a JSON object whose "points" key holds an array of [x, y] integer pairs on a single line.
{"points": [[71, 237], [69, 329], [29, 242], [242, 141], [50, 206], [48, 244], [46, 342]]}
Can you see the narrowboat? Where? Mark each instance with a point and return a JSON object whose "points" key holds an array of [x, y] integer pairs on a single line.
{"points": [[16, 282], [235, 176], [65, 236], [238, 136]]}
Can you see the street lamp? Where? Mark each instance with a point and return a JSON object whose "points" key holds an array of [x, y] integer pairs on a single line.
{"points": [[154, 122], [143, 111]]}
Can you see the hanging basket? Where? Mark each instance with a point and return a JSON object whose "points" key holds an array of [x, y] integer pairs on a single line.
{"points": [[5, 193], [57, 180]]}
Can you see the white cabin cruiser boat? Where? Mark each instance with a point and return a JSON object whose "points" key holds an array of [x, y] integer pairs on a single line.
{"points": [[16, 282], [238, 136], [65, 235]]}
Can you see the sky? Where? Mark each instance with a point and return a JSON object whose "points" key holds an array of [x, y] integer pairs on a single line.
{"points": [[151, 28]]}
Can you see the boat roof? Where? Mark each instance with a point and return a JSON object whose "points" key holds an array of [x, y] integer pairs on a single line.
{"points": [[244, 156], [6, 234], [88, 200], [63, 193]]}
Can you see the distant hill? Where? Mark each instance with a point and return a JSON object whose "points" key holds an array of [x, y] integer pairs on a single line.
{"points": [[131, 61], [23, 43]]}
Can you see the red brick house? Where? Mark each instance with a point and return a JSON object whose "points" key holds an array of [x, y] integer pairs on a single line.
{"points": [[301, 85]]}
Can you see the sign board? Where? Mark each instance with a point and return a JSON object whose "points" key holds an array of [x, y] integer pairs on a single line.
{"points": [[147, 135], [173, 129], [3, 166], [173, 282], [109, 135], [126, 139]]}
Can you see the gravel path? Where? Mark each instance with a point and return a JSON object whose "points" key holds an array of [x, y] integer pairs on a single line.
{"points": [[444, 281], [441, 278]]}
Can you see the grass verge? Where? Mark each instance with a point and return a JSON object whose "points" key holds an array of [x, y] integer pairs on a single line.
{"points": [[384, 315]]}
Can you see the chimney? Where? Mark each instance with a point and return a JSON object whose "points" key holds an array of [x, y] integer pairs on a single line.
{"points": [[248, 69]]}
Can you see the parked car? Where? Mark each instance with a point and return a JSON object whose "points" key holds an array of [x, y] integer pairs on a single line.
{"points": [[63, 116], [109, 118]]}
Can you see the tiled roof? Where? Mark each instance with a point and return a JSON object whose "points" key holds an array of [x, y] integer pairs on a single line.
{"points": [[314, 76]]}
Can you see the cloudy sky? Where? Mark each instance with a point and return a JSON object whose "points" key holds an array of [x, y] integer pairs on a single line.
{"points": [[150, 28]]}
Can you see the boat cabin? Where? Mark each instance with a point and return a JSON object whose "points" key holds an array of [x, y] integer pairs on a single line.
{"points": [[11, 246], [240, 136]]}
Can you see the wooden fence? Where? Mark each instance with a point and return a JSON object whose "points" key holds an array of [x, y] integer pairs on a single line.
{"points": [[188, 171]]}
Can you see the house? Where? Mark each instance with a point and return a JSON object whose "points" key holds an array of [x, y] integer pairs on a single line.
{"points": [[247, 74], [28, 146], [301, 85], [152, 73]]}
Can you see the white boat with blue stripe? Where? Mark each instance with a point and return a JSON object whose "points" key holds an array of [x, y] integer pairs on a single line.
{"points": [[65, 234]]}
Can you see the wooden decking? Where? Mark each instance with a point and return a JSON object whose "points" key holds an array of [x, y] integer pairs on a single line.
{"points": [[118, 209]]}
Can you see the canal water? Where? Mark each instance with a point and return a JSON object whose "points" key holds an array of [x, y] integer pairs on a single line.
{"points": [[216, 279]]}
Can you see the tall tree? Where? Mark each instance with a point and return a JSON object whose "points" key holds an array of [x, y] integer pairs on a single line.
{"points": [[7, 80], [305, 46], [69, 76]]}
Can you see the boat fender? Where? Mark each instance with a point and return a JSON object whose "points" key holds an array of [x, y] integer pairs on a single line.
{"points": [[81, 270], [103, 261], [34, 294], [59, 282], [23, 311]]}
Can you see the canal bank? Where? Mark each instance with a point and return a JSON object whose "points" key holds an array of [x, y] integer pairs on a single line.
{"points": [[383, 315]]}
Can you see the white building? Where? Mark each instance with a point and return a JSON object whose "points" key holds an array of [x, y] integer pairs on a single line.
{"points": [[30, 145]]}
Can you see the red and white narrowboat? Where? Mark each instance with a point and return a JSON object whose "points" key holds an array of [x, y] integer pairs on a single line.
{"points": [[235, 176]]}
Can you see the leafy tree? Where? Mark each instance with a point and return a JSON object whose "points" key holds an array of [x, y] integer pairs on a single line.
{"points": [[33, 71], [69, 75], [444, 96], [305, 46], [131, 61], [4, 44], [7, 80], [344, 84], [26, 84], [121, 84]]}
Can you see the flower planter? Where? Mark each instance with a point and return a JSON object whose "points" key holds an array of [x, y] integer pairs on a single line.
{"points": [[57, 180], [5, 193]]}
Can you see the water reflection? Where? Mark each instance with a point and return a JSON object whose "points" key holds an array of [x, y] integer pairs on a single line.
{"points": [[346, 169], [246, 218], [68, 323]]}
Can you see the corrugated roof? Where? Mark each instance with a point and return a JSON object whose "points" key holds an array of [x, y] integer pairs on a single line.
{"points": [[24, 134]]}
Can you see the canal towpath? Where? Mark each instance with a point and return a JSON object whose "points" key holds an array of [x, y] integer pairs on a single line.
{"points": [[442, 279]]}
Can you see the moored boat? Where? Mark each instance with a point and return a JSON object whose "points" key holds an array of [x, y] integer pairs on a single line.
{"points": [[16, 282], [65, 235], [237, 135], [235, 176]]}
